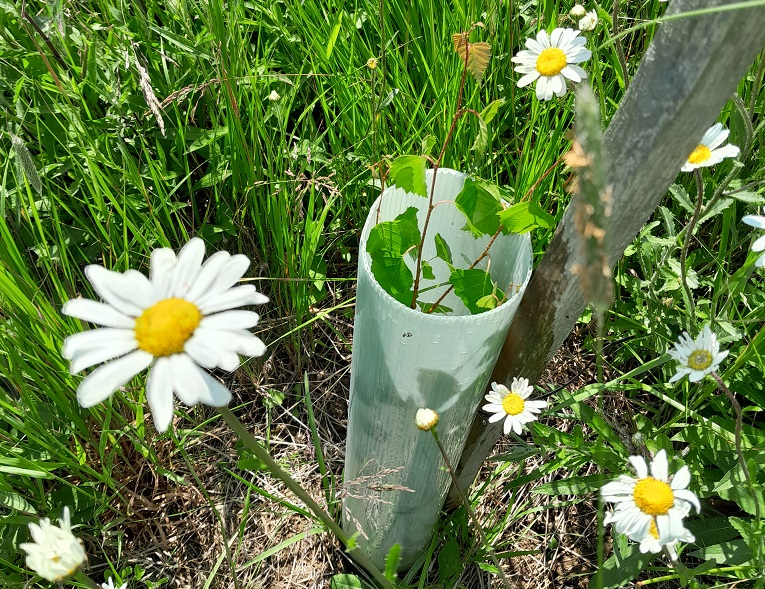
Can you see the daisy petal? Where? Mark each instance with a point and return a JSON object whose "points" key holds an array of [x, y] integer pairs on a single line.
{"points": [[98, 313], [110, 286], [102, 382], [159, 393]]}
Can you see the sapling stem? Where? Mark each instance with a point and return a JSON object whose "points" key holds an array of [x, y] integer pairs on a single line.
{"points": [[253, 446], [457, 114], [469, 509]]}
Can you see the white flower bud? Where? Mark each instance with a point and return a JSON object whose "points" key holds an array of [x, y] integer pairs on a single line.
{"points": [[274, 96], [577, 11], [426, 419]]}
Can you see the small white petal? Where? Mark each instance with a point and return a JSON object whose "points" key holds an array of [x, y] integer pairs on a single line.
{"points": [[159, 393], [98, 313], [161, 272], [207, 275], [115, 348], [217, 394], [111, 287], [92, 339], [187, 382], [754, 221], [187, 267], [231, 320], [234, 297], [102, 382]]}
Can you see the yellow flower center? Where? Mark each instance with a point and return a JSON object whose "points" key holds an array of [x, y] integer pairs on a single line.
{"points": [[164, 328], [700, 360], [653, 530], [699, 155], [513, 404], [56, 558], [551, 61], [653, 497]]}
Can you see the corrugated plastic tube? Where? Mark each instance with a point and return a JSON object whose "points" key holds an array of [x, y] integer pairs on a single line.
{"points": [[404, 359]]}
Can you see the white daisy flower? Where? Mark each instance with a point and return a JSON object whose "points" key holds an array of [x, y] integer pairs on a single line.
{"points": [[697, 357], [110, 584], [651, 500], [652, 542], [708, 152], [759, 244], [589, 21], [551, 60], [55, 553], [274, 96], [512, 406], [178, 321]]}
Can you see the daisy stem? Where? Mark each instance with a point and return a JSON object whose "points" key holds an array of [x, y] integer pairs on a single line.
{"points": [[687, 242], [86, 580], [739, 453], [469, 509], [262, 454]]}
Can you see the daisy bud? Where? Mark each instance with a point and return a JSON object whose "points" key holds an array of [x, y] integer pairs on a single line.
{"points": [[372, 63], [426, 419], [577, 11], [274, 96]]}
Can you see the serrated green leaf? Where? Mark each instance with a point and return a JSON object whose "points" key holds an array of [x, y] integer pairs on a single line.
{"points": [[625, 564], [480, 208], [732, 553], [344, 581], [749, 530], [524, 216], [443, 251], [391, 562], [748, 197], [682, 198], [388, 242], [472, 285], [408, 173], [715, 209], [491, 110], [427, 271], [482, 139]]}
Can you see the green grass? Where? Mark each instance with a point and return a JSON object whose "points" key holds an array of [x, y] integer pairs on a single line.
{"points": [[87, 176]]}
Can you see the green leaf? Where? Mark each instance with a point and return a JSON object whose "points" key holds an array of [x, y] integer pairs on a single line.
{"points": [[749, 530], [344, 581], [488, 302], [426, 307], [626, 563], [443, 251], [482, 140], [408, 173], [427, 144], [682, 198], [472, 285], [391, 562], [427, 271], [449, 561], [524, 216], [333, 35], [491, 110], [732, 553], [388, 242], [480, 208]]}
